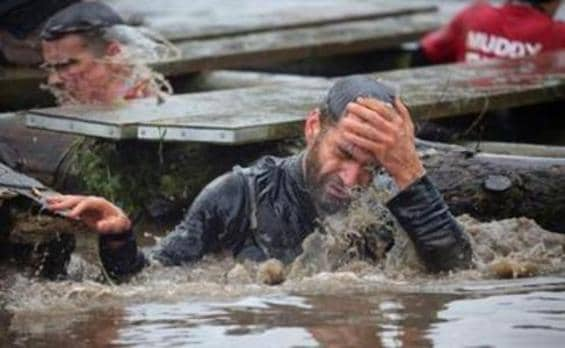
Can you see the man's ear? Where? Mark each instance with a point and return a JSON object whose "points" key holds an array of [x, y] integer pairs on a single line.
{"points": [[113, 49], [313, 126]]}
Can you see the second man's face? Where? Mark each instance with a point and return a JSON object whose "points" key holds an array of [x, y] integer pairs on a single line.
{"points": [[74, 70]]}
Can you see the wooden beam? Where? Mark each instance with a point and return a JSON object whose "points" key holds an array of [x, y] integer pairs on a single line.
{"points": [[226, 117], [233, 79], [212, 19], [272, 112], [286, 45], [21, 85]]}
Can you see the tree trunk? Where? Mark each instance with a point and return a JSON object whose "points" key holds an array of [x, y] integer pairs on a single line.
{"points": [[489, 186], [486, 186]]}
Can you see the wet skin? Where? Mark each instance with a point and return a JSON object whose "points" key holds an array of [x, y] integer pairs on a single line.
{"points": [[342, 157], [73, 67]]}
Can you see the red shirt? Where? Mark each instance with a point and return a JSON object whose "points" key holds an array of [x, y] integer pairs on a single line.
{"points": [[483, 31]]}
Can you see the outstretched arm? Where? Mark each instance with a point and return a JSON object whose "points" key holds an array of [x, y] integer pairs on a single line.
{"points": [[118, 249], [216, 220]]}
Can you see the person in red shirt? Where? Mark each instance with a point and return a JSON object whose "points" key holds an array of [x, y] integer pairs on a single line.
{"points": [[517, 29]]}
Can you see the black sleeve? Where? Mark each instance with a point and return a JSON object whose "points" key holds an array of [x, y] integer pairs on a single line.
{"points": [[218, 219], [439, 240], [120, 261]]}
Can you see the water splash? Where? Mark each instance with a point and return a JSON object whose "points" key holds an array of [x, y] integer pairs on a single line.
{"points": [[339, 258], [139, 48]]}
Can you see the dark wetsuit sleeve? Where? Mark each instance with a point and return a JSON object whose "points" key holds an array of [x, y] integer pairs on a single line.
{"points": [[438, 238], [122, 260], [217, 219]]}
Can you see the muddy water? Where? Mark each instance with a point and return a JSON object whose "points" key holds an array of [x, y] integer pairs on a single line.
{"points": [[392, 303], [367, 313]]}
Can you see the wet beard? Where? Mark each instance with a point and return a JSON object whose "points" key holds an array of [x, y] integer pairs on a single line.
{"points": [[320, 187]]}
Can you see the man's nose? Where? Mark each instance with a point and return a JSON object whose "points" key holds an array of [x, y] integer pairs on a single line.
{"points": [[351, 174], [54, 79]]}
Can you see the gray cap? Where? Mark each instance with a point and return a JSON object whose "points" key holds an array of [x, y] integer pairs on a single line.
{"points": [[350, 88], [21, 17], [81, 17]]}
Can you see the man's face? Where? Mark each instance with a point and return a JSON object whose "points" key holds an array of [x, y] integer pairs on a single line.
{"points": [[334, 168], [75, 69]]}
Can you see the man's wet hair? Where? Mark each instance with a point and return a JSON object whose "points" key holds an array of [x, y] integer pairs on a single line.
{"points": [[22, 17], [100, 25], [348, 89], [87, 18]]}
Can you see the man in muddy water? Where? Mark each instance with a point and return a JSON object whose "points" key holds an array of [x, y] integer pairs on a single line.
{"points": [[91, 58], [87, 50], [267, 210], [90, 55], [84, 48]]}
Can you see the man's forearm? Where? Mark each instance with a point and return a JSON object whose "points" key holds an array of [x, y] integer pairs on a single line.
{"points": [[438, 238]]}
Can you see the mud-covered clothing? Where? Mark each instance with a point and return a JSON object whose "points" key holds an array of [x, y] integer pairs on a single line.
{"points": [[483, 31], [265, 211]]}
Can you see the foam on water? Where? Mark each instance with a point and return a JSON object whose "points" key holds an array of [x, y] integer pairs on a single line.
{"points": [[139, 47], [343, 256], [519, 242]]}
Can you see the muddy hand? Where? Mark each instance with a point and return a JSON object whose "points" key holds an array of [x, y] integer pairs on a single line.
{"points": [[97, 213], [388, 133]]}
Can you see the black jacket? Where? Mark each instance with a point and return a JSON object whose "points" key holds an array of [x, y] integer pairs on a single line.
{"points": [[264, 211]]}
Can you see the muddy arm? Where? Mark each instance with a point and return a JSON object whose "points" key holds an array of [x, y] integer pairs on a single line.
{"points": [[217, 220], [438, 238]]}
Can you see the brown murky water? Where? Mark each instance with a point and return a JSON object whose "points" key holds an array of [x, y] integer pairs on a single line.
{"points": [[354, 312], [217, 303]]}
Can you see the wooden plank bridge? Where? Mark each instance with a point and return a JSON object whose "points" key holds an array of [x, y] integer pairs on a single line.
{"points": [[275, 111], [219, 34]]}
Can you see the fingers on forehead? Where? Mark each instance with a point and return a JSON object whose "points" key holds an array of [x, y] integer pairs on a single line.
{"points": [[375, 114], [374, 103], [359, 154]]}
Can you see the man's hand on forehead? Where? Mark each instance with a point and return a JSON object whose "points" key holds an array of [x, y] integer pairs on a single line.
{"points": [[348, 149], [387, 133]]}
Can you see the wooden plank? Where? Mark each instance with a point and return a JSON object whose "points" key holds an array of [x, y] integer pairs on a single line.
{"points": [[212, 114], [286, 45], [22, 84], [466, 88], [232, 79], [207, 19], [272, 112]]}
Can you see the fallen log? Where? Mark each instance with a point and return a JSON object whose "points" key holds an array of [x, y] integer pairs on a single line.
{"points": [[37, 243], [493, 186], [486, 186], [518, 149], [34, 152]]}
